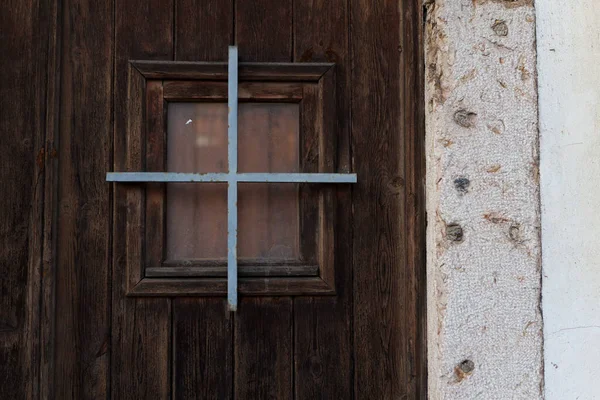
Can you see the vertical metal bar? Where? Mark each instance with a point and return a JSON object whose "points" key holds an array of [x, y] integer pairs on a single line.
{"points": [[232, 245], [232, 134]]}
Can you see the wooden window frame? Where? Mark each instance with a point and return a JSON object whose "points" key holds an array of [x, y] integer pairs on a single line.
{"points": [[151, 85]]}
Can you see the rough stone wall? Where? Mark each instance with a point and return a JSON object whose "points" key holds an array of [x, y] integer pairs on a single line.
{"points": [[484, 318]]}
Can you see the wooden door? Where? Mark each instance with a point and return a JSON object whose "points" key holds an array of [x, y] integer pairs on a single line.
{"points": [[85, 333]]}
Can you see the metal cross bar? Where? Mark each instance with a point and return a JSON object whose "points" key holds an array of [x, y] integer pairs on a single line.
{"points": [[232, 178], [232, 142], [260, 177]]}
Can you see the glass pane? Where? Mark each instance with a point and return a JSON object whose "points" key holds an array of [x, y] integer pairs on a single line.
{"points": [[268, 220], [196, 212]]}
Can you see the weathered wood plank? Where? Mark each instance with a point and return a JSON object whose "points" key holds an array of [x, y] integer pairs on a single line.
{"points": [[203, 349], [248, 71], [48, 279], [381, 316], [284, 286], [323, 336], [203, 337], [217, 91], [413, 122], [22, 105], [140, 366], [83, 228], [263, 345], [204, 30], [263, 30]]}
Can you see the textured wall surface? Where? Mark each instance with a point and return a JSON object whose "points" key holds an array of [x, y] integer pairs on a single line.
{"points": [[484, 274], [569, 90]]}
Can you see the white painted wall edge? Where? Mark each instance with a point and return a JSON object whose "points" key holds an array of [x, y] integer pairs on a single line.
{"points": [[568, 46]]}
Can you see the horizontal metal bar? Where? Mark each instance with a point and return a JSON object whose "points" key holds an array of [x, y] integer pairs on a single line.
{"points": [[165, 177], [296, 178], [178, 177]]}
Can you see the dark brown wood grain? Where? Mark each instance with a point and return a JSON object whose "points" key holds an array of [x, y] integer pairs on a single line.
{"points": [[385, 313], [48, 278], [132, 233], [263, 349], [91, 308], [155, 162], [141, 351], [247, 91], [327, 128], [203, 30], [248, 71], [379, 214], [413, 100], [263, 30], [81, 367], [323, 337], [203, 349], [23, 68], [263, 286]]}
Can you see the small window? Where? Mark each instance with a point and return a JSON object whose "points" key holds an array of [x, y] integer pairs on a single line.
{"points": [[178, 123]]}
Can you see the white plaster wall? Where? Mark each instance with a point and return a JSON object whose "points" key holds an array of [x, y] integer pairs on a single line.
{"points": [[484, 320], [569, 102]]}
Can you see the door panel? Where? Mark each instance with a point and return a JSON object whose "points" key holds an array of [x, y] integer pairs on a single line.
{"points": [[83, 228], [22, 157], [364, 341], [379, 251]]}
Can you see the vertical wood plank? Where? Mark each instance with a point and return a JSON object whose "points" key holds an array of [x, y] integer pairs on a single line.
{"points": [[263, 30], [413, 121], [263, 343], [48, 279], [141, 338], [22, 94], [204, 29], [323, 336], [203, 344], [381, 316], [83, 222], [202, 349], [263, 326]]}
